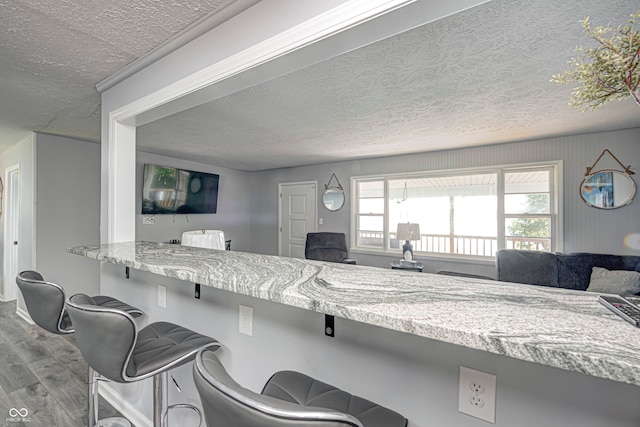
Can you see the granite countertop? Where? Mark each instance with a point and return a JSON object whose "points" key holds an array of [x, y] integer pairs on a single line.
{"points": [[555, 327]]}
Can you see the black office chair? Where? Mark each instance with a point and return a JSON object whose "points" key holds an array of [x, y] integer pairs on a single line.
{"points": [[288, 399], [45, 303], [112, 345], [325, 246]]}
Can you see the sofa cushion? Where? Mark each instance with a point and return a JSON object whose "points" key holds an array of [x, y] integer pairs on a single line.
{"points": [[574, 270], [531, 267], [622, 282]]}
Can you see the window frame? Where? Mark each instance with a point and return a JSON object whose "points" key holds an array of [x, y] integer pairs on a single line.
{"points": [[555, 206], [355, 216]]}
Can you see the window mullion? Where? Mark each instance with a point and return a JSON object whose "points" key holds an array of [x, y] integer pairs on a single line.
{"points": [[502, 233], [385, 221], [553, 208]]}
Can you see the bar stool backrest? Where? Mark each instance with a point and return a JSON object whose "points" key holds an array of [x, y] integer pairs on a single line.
{"points": [[227, 404], [106, 337], [45, 302]]}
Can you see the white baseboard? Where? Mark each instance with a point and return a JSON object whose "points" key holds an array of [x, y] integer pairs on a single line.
{"points": [[136, 417], [24, 314]]}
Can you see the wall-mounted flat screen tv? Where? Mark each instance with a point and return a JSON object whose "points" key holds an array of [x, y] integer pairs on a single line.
{"points": [[167, 190]]}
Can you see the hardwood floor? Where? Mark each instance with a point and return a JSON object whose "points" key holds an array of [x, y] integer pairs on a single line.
{"points": [[41, 373]]}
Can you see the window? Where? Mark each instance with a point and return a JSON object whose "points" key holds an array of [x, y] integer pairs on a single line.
{"points": [[527, 210], [370, 216], [466, 213]]}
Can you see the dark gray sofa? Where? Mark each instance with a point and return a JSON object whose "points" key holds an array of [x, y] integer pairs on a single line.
{"points": [[571, 271]]}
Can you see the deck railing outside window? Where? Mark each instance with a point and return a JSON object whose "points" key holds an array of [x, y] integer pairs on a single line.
{"points": [[460, 245]]}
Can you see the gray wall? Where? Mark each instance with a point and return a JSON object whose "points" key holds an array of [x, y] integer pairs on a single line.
{"points": [[233, 213], [64, 218], [59, 207], [585, 229], [67, 210]]}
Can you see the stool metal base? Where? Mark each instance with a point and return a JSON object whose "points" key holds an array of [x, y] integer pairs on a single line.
{"points": [[185, 406], [92, 410], [160, 401], [113, 422]]}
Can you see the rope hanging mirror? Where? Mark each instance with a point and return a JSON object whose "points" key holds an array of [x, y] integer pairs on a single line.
{"points": [[333, 196], [608, 188]]}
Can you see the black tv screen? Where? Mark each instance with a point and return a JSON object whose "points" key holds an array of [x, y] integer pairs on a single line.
{"points": [[167, 190]]}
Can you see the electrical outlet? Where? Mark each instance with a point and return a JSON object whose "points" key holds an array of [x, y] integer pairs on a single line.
{"points": [[162, 296], [148, 220], [246, 320], [476, 401], [476, 387], [477, 394]]}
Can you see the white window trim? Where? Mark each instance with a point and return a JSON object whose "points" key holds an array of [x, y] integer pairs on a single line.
{"points": [[556, 199]]}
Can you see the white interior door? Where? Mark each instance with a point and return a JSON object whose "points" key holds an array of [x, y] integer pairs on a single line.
{"points": [[298, 214], [11, 231]]}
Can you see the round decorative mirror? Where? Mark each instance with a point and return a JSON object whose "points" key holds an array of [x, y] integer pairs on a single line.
{"points": [[333, 198], [195, 185], [608, 189]]}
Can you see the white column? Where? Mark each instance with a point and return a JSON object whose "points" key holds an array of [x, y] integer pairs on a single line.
{"points": [[121, 178]]}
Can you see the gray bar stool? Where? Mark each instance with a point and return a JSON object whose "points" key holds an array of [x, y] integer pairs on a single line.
{"points": [[45, 303], [112, 345], [288, 399]]}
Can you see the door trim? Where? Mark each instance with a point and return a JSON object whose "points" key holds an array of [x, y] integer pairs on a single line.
{"points": [[315, 222], [9, 292]]}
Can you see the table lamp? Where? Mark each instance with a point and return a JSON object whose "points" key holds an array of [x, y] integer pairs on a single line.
{"points": [[407, 232]]}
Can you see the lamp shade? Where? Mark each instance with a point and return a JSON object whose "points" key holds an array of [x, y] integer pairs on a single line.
{"points": [[408, 231]]}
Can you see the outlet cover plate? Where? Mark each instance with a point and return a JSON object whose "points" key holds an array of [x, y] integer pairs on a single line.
{"points": [[246, 320], [477, 394]]}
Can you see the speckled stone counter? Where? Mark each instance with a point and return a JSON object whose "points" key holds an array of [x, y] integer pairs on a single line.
{"points": [[554, 327]]}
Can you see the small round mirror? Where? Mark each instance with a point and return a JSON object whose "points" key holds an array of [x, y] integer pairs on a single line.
{"points": [[195, 185], [333, 199], [608, 189]]}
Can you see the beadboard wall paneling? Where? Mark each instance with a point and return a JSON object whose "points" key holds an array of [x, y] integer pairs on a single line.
{"points": [[585, 229]]}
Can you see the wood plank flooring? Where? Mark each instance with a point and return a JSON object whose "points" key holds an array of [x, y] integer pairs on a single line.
{"points": [[43, 373]]}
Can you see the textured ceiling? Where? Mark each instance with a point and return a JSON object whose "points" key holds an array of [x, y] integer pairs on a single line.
{"points": [[54, 52], [478, 77]]}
